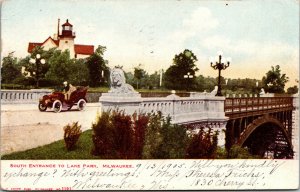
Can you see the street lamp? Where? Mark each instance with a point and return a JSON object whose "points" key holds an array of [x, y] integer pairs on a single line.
{"points": [[37, 60], [188, 76], [219, 66]]}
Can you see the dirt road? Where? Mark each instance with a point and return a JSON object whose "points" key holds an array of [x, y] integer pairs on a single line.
{"points": [[25, 127]]}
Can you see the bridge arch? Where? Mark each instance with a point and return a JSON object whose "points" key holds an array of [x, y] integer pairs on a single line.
{"points": [[267, 134]]}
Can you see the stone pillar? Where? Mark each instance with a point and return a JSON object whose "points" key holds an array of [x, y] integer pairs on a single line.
{"points": [[221, 136], [295, 126]]}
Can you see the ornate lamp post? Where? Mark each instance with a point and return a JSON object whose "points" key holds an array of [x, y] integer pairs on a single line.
{"points": [[37, 61], [219, 66], [188, 76]]}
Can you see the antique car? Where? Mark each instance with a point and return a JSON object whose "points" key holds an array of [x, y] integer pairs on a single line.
{"points": [[57, 102]]}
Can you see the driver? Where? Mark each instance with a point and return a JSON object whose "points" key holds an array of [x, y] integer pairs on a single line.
{"points": [[68, 89]]}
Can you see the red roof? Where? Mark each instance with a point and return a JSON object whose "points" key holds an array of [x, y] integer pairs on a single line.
{"points": [[84, 49], [67, 24], [31, 46], [79, 49]]}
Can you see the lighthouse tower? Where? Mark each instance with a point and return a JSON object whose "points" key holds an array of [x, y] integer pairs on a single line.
{"points": [[66, 38]]}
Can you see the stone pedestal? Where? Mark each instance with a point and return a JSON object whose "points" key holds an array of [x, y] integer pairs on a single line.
{"points": [[129, 102]]}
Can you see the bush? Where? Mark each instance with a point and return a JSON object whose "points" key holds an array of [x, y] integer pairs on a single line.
{"points": [[103, 135], [164, 140], [123, 134], [48, 83], [153, 137], [117, 135], [11, 86], [238, 152], [140, 123], [175, 140], [26, 81], [203, 145], [71, 135]]}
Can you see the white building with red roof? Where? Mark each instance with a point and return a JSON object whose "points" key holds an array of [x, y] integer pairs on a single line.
{"points": [[65, 40]]}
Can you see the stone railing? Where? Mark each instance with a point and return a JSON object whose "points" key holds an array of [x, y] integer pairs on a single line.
{"points": [[23, 96], [182, 110]]}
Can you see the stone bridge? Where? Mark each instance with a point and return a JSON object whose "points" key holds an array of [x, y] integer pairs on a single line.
{"points": [[262, 124]]}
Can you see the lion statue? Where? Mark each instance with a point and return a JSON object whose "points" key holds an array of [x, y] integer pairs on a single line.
{"points": [[118, 83]]}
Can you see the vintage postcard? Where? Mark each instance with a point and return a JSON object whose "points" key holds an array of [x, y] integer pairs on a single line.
{"points": [[149, 95]]}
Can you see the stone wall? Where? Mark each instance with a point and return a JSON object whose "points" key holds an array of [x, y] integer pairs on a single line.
{"points": [[23, 96]]}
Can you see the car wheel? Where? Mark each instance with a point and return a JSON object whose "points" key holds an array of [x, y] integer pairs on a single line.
{"points": [[57, 105], [81, 104], [42, 107]]}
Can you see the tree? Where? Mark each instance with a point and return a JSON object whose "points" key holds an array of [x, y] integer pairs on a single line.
{"points": [[9, 69], [97, 66], [292, 90], [139, 73], [79, 73], [129, 78], [153, 80], [205, 83], [274, 82], [60, 67], [183, 63], [34, 65]]}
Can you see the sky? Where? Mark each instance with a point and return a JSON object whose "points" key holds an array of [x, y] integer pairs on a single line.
{"points": [[256, 34]]}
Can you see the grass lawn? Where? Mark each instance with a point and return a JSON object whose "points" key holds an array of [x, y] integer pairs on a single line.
{"points": [[57, 150]]}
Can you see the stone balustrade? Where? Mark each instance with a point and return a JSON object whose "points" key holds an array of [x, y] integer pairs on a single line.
{"points": [[182, 110], [23, 96]]}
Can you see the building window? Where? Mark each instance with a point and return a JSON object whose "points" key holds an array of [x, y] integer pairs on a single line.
{"points": [[66, 41], [75, 55], [67, 28]]}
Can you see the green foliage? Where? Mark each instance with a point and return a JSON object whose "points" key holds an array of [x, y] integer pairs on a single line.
{"points": [[9, 69], [153, 137], [238, 152], [123, 134], [79, 73], [60, 66], [37, 69], [103, 133], [97, 66], [203, 145], [221, 153], [183, 63], [164, 140], [292, 90], [11, 86], [274, 81], [153, 80], [72, 133], [175, 140], [140, 123], [205, 83], [139, 73], [117, 135]]}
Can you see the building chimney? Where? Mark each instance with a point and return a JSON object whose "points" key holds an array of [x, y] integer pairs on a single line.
{"points": [[58, 28]]}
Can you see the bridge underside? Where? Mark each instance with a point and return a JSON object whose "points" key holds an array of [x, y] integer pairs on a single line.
{"points": [[269, 141], [267, 135]]}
